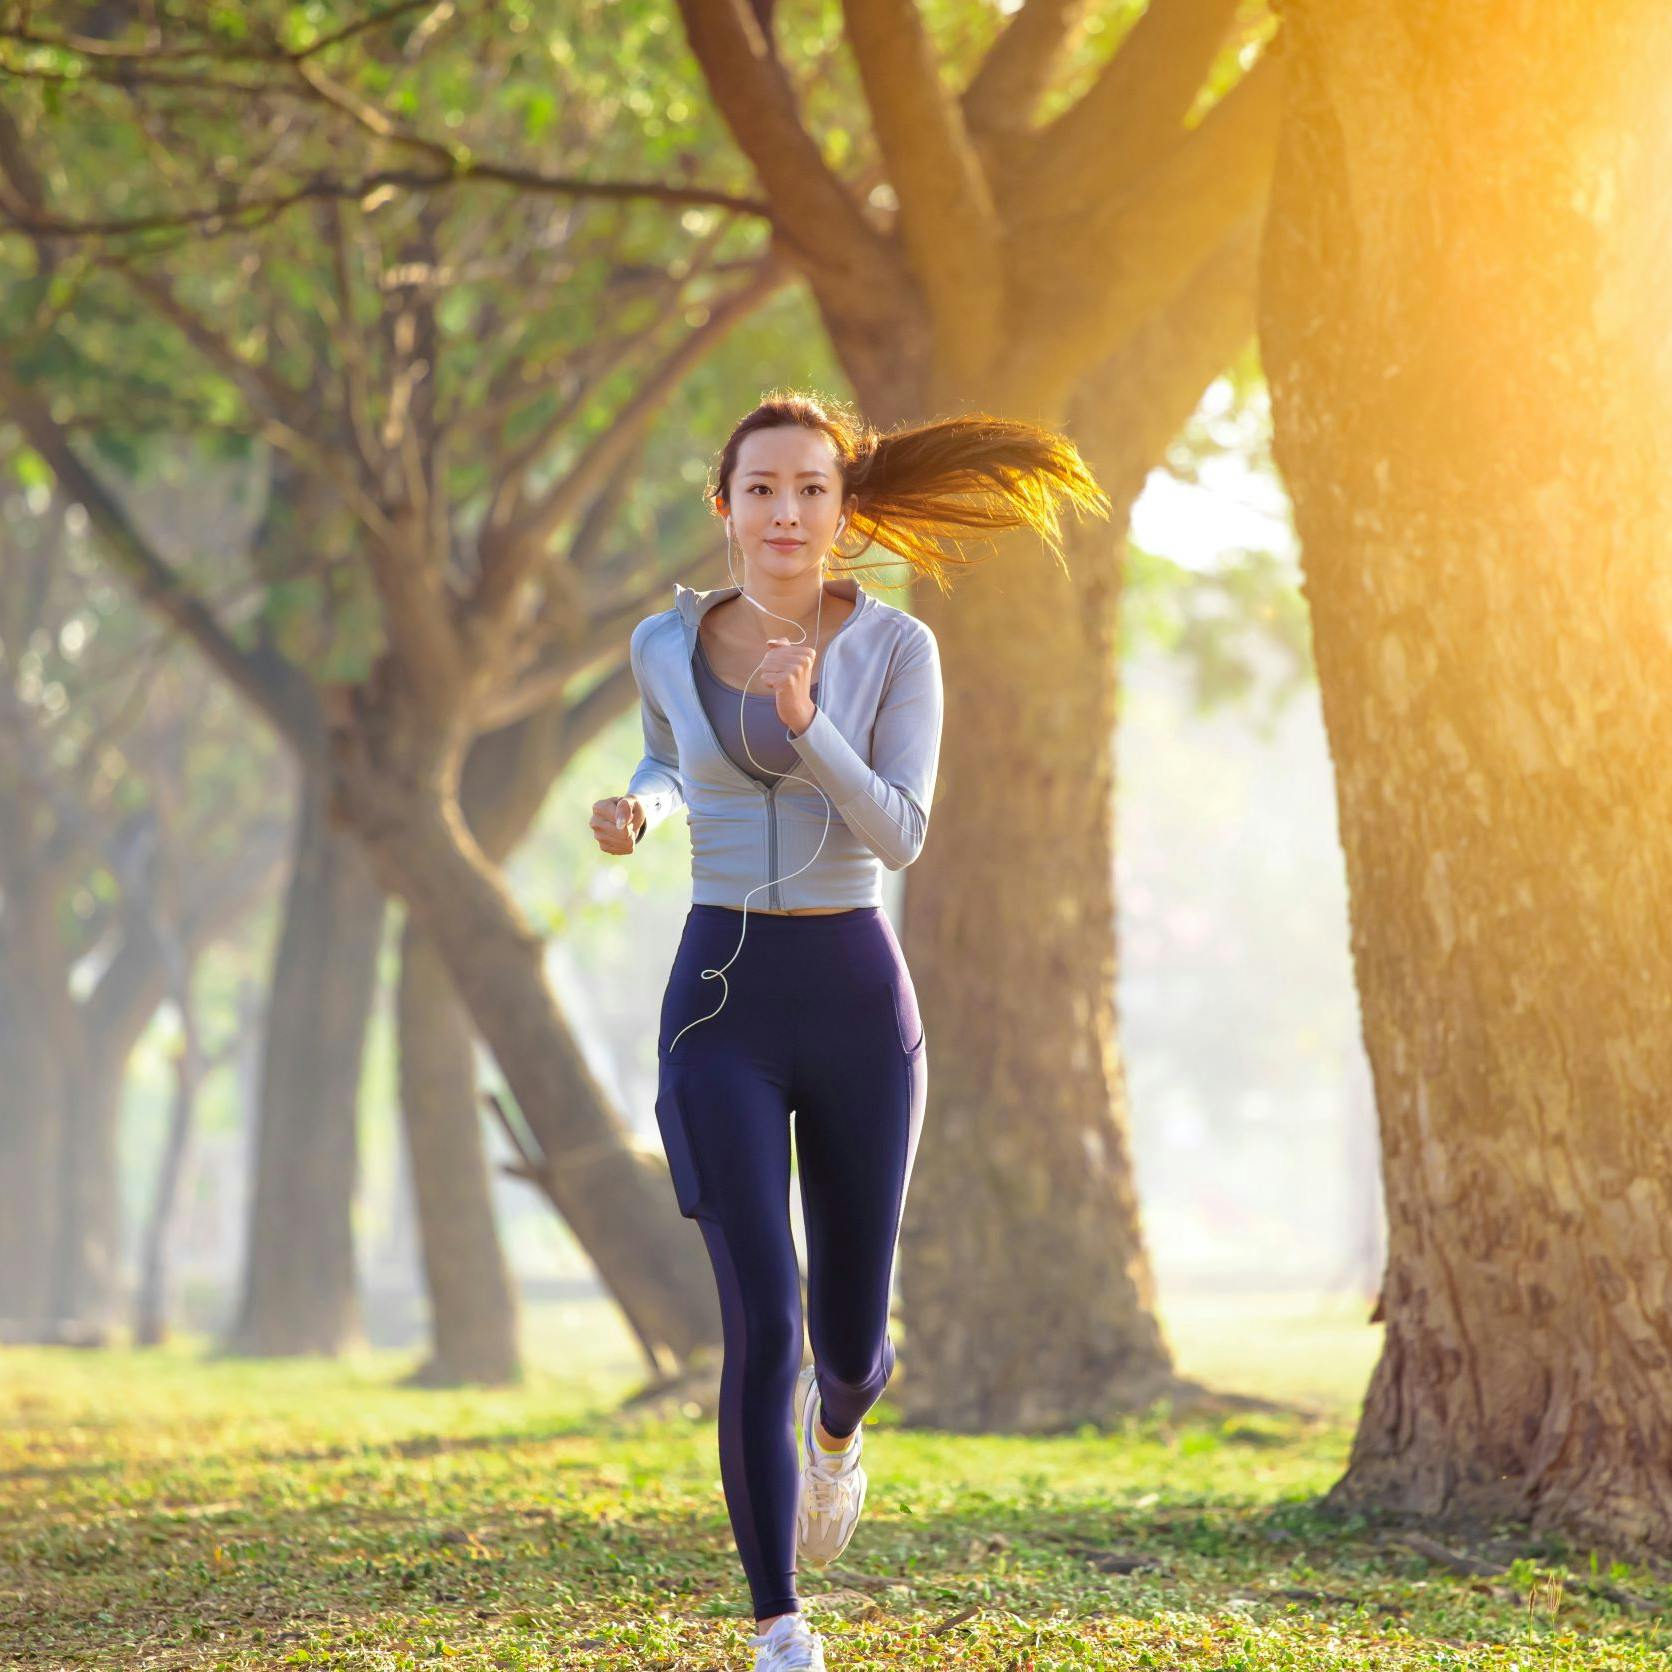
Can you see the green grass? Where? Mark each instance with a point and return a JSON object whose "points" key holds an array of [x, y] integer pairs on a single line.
{"points": [[162, 1512]]}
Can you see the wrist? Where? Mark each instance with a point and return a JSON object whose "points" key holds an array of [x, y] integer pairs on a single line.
{"points": [[799, 724]]}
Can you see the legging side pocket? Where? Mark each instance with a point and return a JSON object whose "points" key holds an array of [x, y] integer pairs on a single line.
{"points": [[908, 1019], [687, 1182]]}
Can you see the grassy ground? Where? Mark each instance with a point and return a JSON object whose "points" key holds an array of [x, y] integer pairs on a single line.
{"points": [[157, 1512]]}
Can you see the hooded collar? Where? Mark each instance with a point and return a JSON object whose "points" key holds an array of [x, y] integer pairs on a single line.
{"points": [[693, 604]]}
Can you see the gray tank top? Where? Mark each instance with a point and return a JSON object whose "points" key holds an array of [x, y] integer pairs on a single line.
{"points": [[767, 742]]}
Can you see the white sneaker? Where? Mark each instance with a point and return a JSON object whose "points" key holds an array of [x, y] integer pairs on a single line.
{"points": [[788, 1642], [832, 1488]]}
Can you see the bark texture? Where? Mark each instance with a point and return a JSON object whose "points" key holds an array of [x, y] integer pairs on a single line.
{"points": [[1028, 1178], [1468, 332]]}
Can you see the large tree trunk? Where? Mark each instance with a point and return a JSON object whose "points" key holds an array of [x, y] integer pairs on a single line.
{"points": [[1027, 1172], [1465, 328], [1024, 1189], [473, 1303], [1026, 255], [299, 1278]]}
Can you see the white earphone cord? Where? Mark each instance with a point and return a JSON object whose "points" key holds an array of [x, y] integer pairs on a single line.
{"points": [[743, 733]]}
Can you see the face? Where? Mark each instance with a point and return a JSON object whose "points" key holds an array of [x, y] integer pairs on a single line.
{"points": [[787, 487]]}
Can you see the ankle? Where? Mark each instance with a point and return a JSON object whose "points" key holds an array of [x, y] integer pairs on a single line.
{"points": [[824, 1439], [771, 1620]]}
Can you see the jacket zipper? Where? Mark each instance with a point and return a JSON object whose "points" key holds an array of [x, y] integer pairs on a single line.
{"points": [[776, 893]]}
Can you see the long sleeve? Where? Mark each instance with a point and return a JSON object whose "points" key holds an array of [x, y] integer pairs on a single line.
{"points": [[886, 803], [655, 781]]}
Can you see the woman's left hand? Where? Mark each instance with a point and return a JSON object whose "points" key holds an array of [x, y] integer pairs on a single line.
{"points": [[787, 671]]}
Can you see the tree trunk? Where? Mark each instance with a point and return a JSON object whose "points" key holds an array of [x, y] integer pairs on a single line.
{"points": [[1023, 257], [473, 1304], [87, 1248], [1023, 1193], [1024, 1188], [614, 1196], [108, 1024], [151, 1300], [1465, 326], [299, 1278], [30, 1137], [35, 1049]]}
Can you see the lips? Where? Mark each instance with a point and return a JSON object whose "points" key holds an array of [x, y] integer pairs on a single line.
{"points": [[786, 545]]}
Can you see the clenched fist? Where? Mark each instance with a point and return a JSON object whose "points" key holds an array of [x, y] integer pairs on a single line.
{"points": [[618, 823]]}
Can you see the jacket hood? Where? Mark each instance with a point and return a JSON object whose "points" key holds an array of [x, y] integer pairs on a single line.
{"points": [[693, 602]]}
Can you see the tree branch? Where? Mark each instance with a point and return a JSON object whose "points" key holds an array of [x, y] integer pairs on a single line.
{"points": [[1087, 287], [608, 632], [811, 209], [1132, 405], [1005, 91], [511, 553], [236, 215], [605, 358], [90, 46], [1131, 115], [947, 217], [340, 324], [262, 678]]}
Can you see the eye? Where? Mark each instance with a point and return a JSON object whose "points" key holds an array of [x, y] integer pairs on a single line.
{"points": [[814, 487]]}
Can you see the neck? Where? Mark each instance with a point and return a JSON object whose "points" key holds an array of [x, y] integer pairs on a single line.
{"points": [[802, 601]]}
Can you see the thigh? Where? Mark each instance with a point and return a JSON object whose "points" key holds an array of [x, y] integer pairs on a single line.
{"points": [[727, 1133], [722, 1098], [725, 1124], [861, 1089]]}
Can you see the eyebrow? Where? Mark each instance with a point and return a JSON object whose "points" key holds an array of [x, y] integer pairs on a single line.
{"points": [[818, 473]]}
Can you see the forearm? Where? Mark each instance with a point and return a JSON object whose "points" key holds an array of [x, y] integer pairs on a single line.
{"points": [[659, 790], [885, 815]]}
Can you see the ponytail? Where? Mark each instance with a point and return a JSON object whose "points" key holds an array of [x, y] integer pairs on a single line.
{"points": [[922, 488]]}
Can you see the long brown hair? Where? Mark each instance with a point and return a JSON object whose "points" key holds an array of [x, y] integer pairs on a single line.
{"points": [[920, 486]]}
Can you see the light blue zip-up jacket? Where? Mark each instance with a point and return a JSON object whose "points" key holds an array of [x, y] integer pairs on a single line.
{"points": [[873, 748]]}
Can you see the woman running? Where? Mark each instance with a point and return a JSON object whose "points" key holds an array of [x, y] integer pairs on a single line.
{"points": [[797, 718]]}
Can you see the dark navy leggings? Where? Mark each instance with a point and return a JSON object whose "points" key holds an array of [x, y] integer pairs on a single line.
{"points": [[821, 1019]]}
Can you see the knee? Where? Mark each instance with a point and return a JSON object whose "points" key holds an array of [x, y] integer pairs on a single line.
{"points": [[859, 1381], [772, 1338]]}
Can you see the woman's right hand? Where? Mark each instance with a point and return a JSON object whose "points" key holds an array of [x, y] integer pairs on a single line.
{"points": [[618, 822]]}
